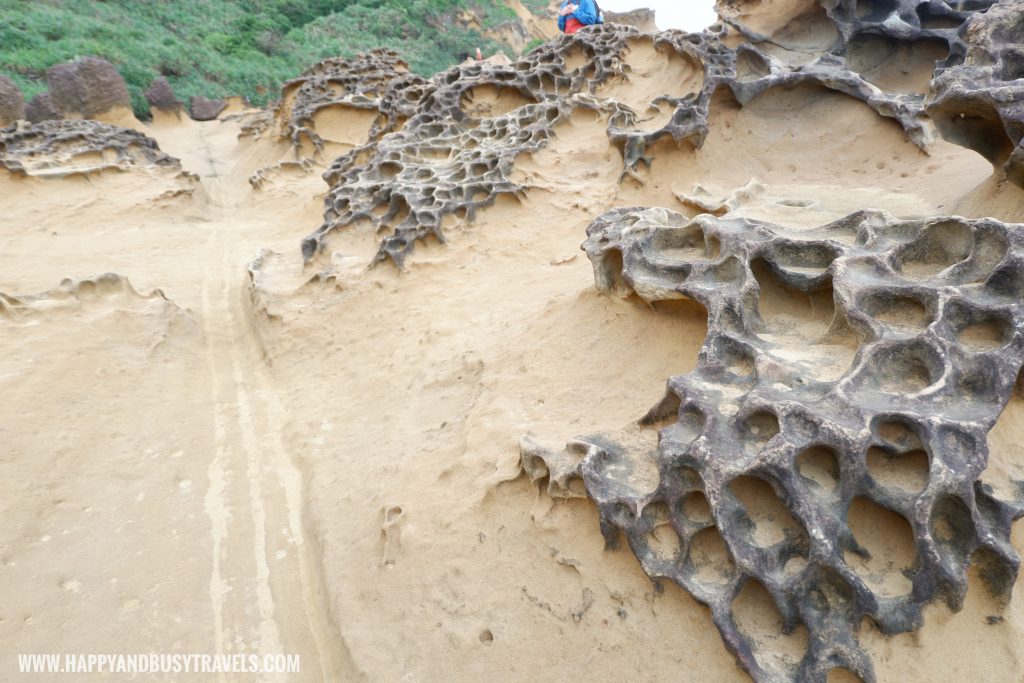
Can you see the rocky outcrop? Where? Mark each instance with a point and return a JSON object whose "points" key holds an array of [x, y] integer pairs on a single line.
{"points": [[980, 103], [377, 81], [41, 108], [642, 19], [87, 87], [204, 109], [913, 342], [449, 158], [160, 96], [12, 102], [79, 146]]}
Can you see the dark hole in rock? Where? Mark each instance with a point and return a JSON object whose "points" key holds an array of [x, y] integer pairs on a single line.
{"points": [[695, 508], [708, 559], [952, 528], [759, 620], [820, 467], [889, 541], [939, 246], [772, 522], [875, 10], [757, 430], [900, 312], [906, 471]]}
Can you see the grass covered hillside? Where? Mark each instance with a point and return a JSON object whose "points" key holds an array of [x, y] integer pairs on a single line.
{"points": [[238, 47]]}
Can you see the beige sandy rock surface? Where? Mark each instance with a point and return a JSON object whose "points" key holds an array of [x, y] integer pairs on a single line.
{"points": [[207, 448]]}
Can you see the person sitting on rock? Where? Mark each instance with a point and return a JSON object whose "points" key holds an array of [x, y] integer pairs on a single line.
{"points": [[575, 15]]}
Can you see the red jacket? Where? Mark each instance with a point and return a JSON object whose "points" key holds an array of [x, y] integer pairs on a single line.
{"points": [[572, 24]]}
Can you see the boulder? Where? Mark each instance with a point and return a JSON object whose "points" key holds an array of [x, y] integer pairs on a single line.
{"points": [[205, 109], [161, 96], [86, 87], [12, 102], [41, 108]]}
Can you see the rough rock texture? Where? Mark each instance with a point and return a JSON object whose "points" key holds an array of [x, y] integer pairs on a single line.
{"points": [[161, 96], [63, 147], [86, 87], [406, 183], [42, 108], [980, 104], [642, 19], [205, 109], [376, 81], [12, 102], [922, 352]]}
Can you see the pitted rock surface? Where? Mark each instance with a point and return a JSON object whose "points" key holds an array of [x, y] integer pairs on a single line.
{"points": [[62, 147], [86, 87], [917, 344], [980, 103], [12, 102], [406, 183], [377, 81]]}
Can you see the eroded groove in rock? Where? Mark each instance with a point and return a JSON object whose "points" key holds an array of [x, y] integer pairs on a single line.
{"points": [[867, 396]]}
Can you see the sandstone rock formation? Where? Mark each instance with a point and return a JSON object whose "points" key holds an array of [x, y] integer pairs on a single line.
{"points": [[204, 109], [46, 148], [642, 19], [41, 108], [161, 96], [87, 87], [978, 102], [853, 368], [378, 82], [12, 102], [916, 343]]}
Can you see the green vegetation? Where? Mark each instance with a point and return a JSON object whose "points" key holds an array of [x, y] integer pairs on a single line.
{"points": [[233, 47]]}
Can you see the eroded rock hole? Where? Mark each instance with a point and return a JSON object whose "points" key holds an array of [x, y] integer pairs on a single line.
{"points": [[895, 65], [940, 246], [900, 312], [819, 466], [758, 618], [662, 540], [686, 244], [888, 539], [772, 522], [952, 528], [902, 369], [708, 559], [905, 471], [695, 508], [757, 430]]}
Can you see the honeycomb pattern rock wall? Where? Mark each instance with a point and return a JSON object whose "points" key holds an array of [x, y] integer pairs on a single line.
{"points": [[403, 182], [917, 342], [47, 148], [980, 103]]}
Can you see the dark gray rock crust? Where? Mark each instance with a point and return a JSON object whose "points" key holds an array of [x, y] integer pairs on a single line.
{"points": [[979, 104], [752, 410]]}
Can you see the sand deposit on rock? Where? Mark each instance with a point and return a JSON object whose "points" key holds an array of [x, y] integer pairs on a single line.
{"points": [[335, 378]]}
